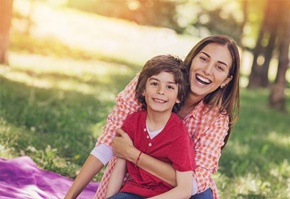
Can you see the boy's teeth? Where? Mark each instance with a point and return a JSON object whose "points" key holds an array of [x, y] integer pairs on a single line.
{"points": [[158, 100]]}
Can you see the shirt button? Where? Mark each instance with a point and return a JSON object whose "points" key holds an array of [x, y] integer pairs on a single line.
{"points": [[150, 144], [144, 129], [147, 136]]}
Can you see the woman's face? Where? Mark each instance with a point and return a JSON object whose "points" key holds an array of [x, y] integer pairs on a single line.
{"points": [[209, 70]]}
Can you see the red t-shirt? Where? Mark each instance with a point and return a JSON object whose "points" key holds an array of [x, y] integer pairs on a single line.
{"points": [[172, 145]]}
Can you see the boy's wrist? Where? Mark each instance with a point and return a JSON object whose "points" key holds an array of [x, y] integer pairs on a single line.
{"points": [[133, 154]]}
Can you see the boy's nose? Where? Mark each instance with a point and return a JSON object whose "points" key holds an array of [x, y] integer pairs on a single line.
{"points": [[160, 91]]}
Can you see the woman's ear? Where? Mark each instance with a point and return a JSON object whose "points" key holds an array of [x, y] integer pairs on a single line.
{"points": [[227, 80]]}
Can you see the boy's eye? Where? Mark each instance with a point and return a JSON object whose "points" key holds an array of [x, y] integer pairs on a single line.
{"points": [[154, 83], [170, 87]]}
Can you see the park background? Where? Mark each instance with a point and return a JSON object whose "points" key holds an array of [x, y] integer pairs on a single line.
{"points": [[64, 61]]}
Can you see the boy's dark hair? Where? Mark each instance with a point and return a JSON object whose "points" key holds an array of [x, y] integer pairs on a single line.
{"points": [[164, 63]]}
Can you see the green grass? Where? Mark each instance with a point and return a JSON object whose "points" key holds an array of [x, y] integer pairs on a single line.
{"points": [[255, 164], [55, 97], [58, 128]]}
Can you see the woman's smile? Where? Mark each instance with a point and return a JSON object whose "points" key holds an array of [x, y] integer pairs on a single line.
{"points": [[210, 70]]}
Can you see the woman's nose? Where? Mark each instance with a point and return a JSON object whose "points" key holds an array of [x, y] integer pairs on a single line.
{"points": [[208, 69]]}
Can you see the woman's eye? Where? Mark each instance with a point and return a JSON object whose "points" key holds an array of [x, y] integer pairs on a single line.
{"points": [[220, 68], [202, 58]]}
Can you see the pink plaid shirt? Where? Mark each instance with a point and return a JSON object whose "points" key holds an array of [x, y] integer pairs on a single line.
{"points": [[206, 126]]}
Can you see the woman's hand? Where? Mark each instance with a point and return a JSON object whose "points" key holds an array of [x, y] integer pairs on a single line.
{"points": [[122, 145]]}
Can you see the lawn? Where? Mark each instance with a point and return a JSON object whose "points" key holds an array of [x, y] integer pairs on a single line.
{"points": [[61, 85]]}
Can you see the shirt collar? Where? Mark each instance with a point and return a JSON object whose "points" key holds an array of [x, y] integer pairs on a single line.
{"points": [[197, 110], [202, 108]]}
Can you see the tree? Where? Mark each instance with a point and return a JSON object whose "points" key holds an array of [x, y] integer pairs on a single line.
{"points": [[159, 13], [277, 96], [265, 45], [5, 22]]}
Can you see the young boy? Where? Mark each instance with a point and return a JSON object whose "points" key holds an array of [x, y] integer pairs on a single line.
{"points": [[157, 131]]}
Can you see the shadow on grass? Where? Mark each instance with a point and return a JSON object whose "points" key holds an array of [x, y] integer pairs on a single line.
{"points": [[116, 82], [24, 43], [257, 141], [62, 119]]}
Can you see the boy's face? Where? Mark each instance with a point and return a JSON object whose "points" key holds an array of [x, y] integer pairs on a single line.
{"points": [[161, 92]]}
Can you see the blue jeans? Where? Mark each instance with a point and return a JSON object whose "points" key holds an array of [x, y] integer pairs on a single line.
{"points": [[207, 194], [123, 195]]}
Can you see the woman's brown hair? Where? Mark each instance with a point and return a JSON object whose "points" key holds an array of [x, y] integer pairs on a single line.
{"points": [[228, 97]]}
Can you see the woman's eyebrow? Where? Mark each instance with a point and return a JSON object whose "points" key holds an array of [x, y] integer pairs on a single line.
{"points": [[218, 61]]}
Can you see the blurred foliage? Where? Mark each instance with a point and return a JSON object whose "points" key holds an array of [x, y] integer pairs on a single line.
{"points": [[144, 12], [193, 17]]}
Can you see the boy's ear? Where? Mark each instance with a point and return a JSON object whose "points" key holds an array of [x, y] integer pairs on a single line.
{"points": [[177, 101]]}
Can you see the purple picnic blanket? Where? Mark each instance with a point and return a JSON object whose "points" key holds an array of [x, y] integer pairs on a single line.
{"points": [[21, 178]]}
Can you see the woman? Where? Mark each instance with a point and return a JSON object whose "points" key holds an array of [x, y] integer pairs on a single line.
{"points": [[209, 112]]}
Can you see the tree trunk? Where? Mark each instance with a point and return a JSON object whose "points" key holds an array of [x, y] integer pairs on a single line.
{"points": [[268, 55], [242, 27], [277, 95], [264, 46], [5, 22]]}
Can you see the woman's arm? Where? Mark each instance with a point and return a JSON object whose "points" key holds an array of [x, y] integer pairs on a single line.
{"points": [[183, 189], [208, 152], [116, 178], [123, 148], [90, 168]]}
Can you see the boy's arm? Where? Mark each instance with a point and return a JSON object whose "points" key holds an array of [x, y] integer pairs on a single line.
{"points": [[123, 148], [183, 190], [90, 168], [116, 178]]}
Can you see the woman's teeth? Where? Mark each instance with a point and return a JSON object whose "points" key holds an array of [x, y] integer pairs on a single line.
{"points": [[202, 79]]}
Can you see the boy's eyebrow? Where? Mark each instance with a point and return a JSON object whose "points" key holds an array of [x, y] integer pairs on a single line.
{"points": [[218, 61], [153, 78]]}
